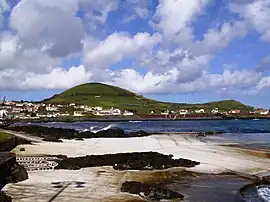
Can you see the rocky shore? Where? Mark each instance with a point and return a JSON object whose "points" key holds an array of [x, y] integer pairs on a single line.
{"points": [[11, 143], [126, 161], [54, 134], [150, 192], [11, 172]]}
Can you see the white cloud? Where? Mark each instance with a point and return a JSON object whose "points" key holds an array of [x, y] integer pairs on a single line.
{"points": [[174, 17], [148, 83], [118, 46], [50, 26], [256, 14], [217, 39], [13, 56], [167, 82], [58, 78]]}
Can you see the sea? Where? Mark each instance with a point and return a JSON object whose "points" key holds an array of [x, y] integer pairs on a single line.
{"points": [[249, 133], [253, 133]]}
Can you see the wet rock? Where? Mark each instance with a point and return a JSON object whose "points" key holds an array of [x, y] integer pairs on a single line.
{"points": [[18, 174], [112, 132], [10, 170], [152, 192], [4, 197], [63, 133], [139, 133], [126, 161], [11, 143], [266, 180]]}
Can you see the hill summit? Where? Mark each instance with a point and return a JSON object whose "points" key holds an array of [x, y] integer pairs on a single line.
{"points": [[98, 94]]}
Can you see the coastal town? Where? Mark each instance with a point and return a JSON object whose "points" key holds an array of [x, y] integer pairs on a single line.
{"points": [[31, 110]]}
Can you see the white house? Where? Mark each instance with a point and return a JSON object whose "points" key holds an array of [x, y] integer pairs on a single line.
{"points": [[98, 108], [199, 111], [183, 111], [78, 113], [265, 112], [3, 113], [214, 111], [165, 112], [51, 108], [115, 112], [127, 113], [103, 112]]}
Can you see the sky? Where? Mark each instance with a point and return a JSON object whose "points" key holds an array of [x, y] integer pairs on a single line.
{"points": [[172, 50]]}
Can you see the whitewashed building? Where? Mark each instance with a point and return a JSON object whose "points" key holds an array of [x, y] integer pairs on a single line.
{"points": [[127, 113], [199, 111]]}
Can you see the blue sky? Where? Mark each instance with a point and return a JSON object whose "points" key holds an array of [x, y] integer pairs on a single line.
{"points": [[171, 50]]}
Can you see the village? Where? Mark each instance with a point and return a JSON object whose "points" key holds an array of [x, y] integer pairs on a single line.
{"points": [[31, 110]]}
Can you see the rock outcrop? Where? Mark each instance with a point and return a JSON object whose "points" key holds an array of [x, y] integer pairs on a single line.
{"points": [[126, 161], [11, 143], [11, 171], [4, 197], [150, 192], [62, 133], [266, 180]]}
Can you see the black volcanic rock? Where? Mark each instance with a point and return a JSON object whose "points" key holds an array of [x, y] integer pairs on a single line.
{"points": [[10, 170], [11, 143], [126, 161], [62, 133], [152, 192], [4, 197], [112, 132], [266, 180]]}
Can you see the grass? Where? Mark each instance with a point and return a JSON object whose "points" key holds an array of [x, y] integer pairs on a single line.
{"points": [[106, 96], [4, 136]]}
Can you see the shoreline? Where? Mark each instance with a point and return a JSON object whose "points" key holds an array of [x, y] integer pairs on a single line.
{"points": [[127, 119], [222, 171]]}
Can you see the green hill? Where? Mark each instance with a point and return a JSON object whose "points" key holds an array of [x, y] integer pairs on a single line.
{"points": [[97, 94]]}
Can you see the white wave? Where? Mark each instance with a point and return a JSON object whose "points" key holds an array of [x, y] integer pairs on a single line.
{"points": [[135, 121], [104, 128], [264, 192]]}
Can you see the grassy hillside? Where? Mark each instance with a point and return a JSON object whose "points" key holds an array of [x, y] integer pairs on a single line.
{"points": [[97, 94]]}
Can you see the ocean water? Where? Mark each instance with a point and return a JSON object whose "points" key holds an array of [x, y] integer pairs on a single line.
{"points": [[253, 133]]}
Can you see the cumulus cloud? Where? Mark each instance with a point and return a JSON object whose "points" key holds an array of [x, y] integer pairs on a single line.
{"points": [[58, 78], [48, 25], [13, 56], [256, 15], [167, 82], [174, 16], [117, 46]]}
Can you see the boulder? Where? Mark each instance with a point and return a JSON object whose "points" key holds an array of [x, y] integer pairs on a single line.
{"points": [[18, 174], [152, 192], [112, 132], [4, 197], [266, 180], [126, 161], [139, 133]]}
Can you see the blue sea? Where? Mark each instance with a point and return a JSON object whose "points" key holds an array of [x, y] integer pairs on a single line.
{"points": [[253, 132]]}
